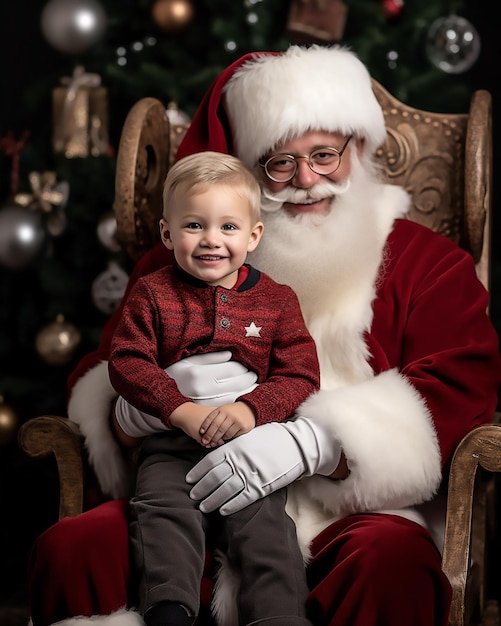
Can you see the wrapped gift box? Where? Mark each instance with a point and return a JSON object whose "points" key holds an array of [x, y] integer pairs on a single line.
{"points": [[80, 116], [316, 21]]}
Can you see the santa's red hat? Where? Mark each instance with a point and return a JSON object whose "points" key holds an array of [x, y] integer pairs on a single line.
{"points": [[272, 97]]}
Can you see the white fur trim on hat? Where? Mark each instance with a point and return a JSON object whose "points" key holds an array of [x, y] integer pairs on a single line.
{"points": [[272, 99]]}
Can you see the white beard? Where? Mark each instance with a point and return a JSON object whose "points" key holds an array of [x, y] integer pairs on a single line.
{"points": [[332, 262], [323, 257]]}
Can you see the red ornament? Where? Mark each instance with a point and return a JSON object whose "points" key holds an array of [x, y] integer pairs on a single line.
{"points": [[393, 8]]}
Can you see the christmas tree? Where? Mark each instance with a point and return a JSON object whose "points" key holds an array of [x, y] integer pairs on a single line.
{"points": [[58, 287]]}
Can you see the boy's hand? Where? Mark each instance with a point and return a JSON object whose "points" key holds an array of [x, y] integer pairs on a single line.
{"points": [[189, 417], [226, 422]]}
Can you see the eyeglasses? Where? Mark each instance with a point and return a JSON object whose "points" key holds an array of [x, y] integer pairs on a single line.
{"points": [[325, 160]]}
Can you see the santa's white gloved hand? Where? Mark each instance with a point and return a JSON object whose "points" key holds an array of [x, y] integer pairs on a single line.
{"points": [[211, 379], [258, 463], [134, 422]]}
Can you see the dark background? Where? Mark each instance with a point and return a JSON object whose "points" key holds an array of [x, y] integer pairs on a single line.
{"points": [[183, 67]]}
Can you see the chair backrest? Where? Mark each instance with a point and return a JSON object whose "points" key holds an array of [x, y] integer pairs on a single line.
{"points": [[444, 161]]}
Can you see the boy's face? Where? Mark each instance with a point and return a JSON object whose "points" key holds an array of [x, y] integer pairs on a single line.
{"points": [[211, 233]]}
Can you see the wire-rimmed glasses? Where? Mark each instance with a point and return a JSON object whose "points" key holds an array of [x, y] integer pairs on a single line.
{"points": [[324, 160]]}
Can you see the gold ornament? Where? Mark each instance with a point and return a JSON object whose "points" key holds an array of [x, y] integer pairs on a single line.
{"points": [[57, 342], [8, 422], [172, 15]]}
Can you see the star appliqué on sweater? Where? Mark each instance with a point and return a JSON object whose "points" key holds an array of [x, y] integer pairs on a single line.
{"points": [[252, 330]]}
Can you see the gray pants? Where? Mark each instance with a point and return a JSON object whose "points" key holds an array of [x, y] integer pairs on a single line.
{"points": [[169, 535]]}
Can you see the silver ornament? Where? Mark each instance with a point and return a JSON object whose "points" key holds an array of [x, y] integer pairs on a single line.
{"points": [[22, 235], [108, 288], [453, 44], [107, 231], [176, 116], [73, 26]]}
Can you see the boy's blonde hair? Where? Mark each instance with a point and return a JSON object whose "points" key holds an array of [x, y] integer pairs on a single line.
{"points": [[195, 173]]}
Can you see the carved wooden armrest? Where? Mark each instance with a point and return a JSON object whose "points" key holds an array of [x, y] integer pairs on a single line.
{"points": [[51, 434], [470, 493]]}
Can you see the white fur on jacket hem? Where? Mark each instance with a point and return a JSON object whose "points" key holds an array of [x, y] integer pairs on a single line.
{"points": [[123, 617], [89, 407], [389, 440], [224, 606]]}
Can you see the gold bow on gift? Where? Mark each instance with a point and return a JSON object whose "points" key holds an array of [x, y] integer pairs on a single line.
{"points": [[48, 196]]}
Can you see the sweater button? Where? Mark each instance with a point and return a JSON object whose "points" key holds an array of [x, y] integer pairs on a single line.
{"points": [[225, 323], [224, 297]]}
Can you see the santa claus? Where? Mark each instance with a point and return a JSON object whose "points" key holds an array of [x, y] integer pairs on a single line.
{"points": [[398, 316]]}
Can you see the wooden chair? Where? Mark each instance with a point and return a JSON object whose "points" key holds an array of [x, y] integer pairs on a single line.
{"points": [[445, 161]]}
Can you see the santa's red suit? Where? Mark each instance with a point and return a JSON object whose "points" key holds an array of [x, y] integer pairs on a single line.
{"points": [[409, 364]]}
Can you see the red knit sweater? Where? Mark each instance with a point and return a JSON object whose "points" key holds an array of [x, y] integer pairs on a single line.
{"points": [[169, 316]]}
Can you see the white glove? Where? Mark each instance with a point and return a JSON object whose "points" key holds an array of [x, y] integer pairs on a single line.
{"points": [[211, 379], [134, 422], [258, 463]]}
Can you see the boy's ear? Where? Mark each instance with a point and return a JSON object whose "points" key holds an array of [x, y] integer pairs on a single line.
{"points": [[165, 234], [255, 236]]}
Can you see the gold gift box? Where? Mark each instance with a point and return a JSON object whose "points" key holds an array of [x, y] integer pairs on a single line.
{"points": [[80, 117]]}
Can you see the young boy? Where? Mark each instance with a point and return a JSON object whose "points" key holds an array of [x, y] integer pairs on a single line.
{"points": [[209, 301]]}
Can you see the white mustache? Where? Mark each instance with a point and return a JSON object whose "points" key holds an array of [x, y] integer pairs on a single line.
{"points": [[271, 202]]}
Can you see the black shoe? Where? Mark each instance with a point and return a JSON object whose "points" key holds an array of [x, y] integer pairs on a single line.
{"points": [[168, 614]]}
